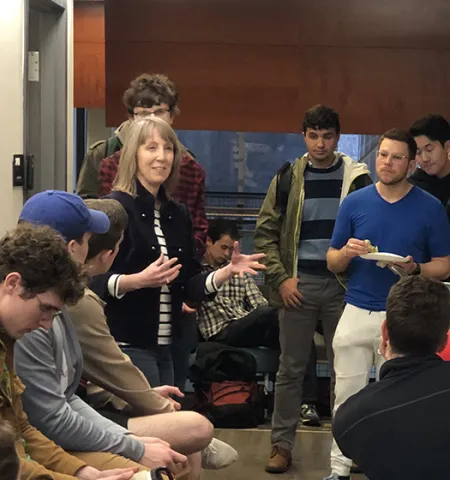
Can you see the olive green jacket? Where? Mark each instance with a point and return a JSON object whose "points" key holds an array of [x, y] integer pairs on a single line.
{"points": [[88, 185], [278, 237]]}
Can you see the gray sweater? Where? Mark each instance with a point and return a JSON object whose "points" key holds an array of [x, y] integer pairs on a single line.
{"points": [[50, 365]]}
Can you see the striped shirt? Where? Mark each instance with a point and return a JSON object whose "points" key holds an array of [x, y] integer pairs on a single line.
{"points": [[165, 308], [322, 196]]}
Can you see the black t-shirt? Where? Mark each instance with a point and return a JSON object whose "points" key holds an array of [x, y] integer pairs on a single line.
{"points": [[438, 187]]}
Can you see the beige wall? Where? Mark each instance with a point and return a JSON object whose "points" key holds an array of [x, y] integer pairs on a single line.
{"points": [[96, 129], [70, 123], [12, 53]]}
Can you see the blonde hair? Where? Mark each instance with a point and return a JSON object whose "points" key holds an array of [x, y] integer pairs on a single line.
{"points": [[137, 135]]}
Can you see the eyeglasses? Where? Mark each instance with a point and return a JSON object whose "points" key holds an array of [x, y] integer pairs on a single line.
{"points": [[49, 311], [159, 112], [396, 157]]}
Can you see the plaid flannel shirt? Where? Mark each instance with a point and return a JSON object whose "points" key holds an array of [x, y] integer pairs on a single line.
{"points": [[234, 300], [190, 191]]}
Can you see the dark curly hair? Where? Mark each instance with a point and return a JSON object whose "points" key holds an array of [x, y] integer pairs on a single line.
{"points": [[148, 90], [41, 257], [9, 460], [321, 117]]}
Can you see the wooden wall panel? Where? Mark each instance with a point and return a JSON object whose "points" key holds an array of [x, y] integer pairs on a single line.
{"points": [[256, 65], [238, 22], [389, 87], [89, 55], [376, 23], [213, 81]]}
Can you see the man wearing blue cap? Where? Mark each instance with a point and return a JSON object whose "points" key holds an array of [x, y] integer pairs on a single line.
{"points": [[50, 362], [68, 215]]}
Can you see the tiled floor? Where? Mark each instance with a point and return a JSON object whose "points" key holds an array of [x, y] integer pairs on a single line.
{"points": [[310, 461]]}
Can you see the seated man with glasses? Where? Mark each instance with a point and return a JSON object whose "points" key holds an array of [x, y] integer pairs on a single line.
{"points": [[38, 276], [400, 219]]}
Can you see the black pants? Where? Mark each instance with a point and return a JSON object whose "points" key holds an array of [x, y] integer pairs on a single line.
{"points": [[257, 329], [260, 329]]}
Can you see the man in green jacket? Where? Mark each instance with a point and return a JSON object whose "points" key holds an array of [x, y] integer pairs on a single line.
{"points": [[295, 240]]}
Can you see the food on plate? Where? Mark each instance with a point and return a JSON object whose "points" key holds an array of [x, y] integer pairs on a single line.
{"points": [[370, 247]]}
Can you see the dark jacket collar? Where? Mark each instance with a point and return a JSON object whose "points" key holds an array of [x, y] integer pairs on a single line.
{"points": [[401, 365], [147, 199], [141, 191]]}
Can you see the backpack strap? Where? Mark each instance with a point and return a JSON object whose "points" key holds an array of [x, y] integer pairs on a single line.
{"points": [[284, 177]]}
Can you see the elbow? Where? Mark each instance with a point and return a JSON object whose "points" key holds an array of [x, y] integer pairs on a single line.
{"points": [[334, 268], [331, 265], [444, 272]]}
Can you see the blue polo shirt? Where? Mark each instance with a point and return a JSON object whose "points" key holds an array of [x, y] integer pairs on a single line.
{"points": [[416, 225]]}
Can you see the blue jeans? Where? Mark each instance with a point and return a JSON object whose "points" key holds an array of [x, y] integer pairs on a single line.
{"points": [[155, 363]]}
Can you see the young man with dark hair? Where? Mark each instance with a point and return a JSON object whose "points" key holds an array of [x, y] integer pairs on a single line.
{"points": [[37, 277], [400, 219], [383, 427], [117, 389], [239, 315], [295, 244], [432, 135]]}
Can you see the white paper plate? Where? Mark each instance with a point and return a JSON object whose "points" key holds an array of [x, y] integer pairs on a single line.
{"points": [[447, 284], [384, 257]]}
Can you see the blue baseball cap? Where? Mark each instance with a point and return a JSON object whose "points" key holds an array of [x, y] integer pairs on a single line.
{"points": [[65, 212]]}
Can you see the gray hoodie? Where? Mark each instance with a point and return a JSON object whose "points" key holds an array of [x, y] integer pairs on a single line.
{"points": [[50, 365]]}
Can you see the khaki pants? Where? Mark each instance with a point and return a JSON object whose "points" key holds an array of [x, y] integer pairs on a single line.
{"points": [[356, 343], [108, 461]]}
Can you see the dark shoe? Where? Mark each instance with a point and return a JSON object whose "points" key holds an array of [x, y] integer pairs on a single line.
{"points": [[280, 460], [309, 415]]}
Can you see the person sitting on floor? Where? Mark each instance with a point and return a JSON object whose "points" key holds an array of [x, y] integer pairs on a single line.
{"points": [[50, 362], [239, 315], [117, 388], [37, 277], [383, 427]]}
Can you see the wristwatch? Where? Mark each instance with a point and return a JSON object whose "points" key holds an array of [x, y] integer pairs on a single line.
{"points": [[417, 270]]}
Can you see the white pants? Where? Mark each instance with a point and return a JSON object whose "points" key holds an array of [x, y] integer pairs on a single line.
{"points": [[356, 343]]}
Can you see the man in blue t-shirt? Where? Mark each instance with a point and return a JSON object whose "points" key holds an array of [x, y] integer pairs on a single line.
{"points": [[398, 218]]}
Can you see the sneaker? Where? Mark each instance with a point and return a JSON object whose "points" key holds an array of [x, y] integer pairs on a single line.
{"points": [[309, 415], [335, 476], [218, 455], [280, 460]]}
